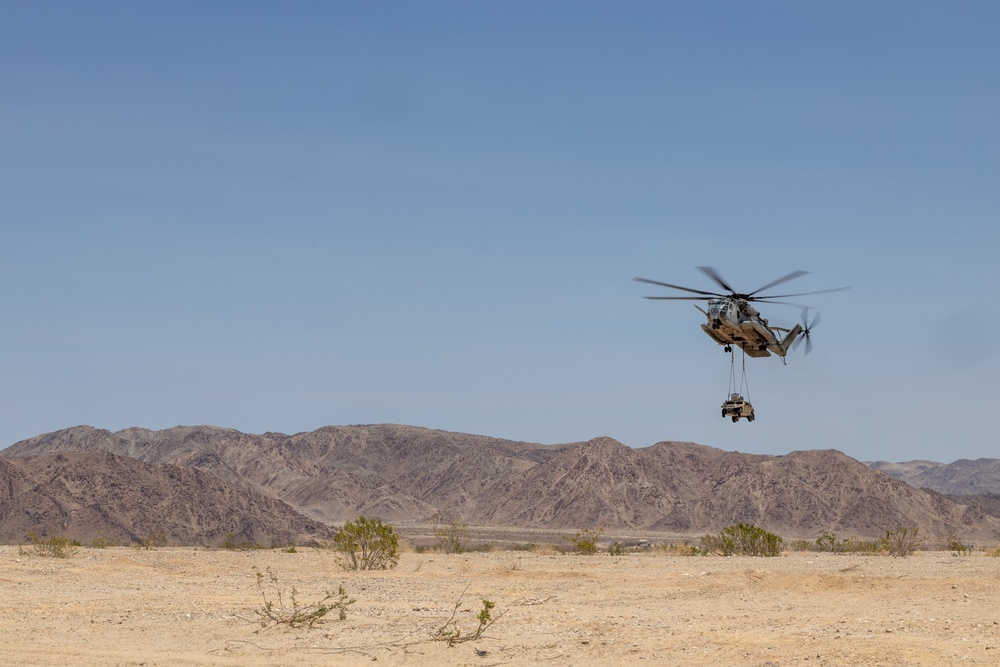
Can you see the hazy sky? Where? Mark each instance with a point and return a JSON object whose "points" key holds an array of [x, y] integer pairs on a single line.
{"points": [[275, 217]]}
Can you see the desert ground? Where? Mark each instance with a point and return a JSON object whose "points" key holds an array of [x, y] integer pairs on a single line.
{"points": [[194, 606]]}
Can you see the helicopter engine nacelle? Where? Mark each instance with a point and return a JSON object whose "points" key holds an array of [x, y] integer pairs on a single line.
{"points": [[754, 327]]}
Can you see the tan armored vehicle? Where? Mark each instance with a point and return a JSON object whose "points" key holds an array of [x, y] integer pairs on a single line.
{"points": [[737, 407]]}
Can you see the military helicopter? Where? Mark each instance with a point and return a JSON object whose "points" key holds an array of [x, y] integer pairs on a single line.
{"points": [[733, 321]]}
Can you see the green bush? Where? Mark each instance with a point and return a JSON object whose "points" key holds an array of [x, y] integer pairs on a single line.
{"points": [[903, 541], [802, 545], [854, 545], [743, 539], [54, 546], [367, 544], [958, 547], [857, 545], [585, 541], [451, 535], [828, 542]]}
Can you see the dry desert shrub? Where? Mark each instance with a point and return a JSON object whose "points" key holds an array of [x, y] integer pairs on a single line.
{"points": [[230, 543], [451, 633], [617, 549], [103, 542], [152, 541], [544, 549], [291, 612], [853, 545], [451, 535], [584, 541], [682, 549], [957, 547], [54, 546], [801, 545], [902, 542]]}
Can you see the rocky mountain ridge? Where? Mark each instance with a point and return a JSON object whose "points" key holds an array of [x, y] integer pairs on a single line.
{"points": [[88, 495], [961, 477], [405, 473]]}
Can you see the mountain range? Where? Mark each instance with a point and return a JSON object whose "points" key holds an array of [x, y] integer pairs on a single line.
{"points": [[93, 495], [406, 473], [962, 477]]}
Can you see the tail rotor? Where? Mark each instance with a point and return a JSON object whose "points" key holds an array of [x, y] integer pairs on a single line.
{"points": [[807, 327]]}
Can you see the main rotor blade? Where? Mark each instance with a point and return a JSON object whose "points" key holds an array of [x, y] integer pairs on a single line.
{"points": [[784, 296], [780, 303], [678, 298], [686, 289], [714, 275], [783, 279]]}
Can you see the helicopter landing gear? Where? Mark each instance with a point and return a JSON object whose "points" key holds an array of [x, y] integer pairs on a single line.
{"points": [[728, 348]]}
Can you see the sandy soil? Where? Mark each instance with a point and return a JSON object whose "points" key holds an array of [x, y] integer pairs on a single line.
{"points": [[183, 606]]}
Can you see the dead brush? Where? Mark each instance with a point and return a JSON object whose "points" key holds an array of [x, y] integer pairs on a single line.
{"points": [[450, 632], [293, 613]]}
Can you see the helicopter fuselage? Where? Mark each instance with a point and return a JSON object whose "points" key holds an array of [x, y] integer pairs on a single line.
{"points": [[733, 321]]}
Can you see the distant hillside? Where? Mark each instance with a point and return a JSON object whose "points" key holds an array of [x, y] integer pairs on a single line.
{"points": [[408, 473], [90, 494], [962, 477]]}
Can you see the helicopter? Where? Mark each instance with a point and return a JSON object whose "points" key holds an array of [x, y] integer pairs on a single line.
{"points": [[732, 320]]}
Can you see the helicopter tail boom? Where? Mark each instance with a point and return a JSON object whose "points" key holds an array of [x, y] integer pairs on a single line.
{"points": [[786, 343]]}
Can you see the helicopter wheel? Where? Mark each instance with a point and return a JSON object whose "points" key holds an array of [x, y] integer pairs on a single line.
{"points": [[735, 419]]}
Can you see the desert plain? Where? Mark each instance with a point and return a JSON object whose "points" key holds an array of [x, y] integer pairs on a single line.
{"points": [[194, 606]]}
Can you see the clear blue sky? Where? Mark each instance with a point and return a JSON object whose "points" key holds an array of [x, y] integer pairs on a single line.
{"points": [[275, 217]]}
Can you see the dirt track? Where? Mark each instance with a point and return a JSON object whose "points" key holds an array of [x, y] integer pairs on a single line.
{"points": [[183, 606]]}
